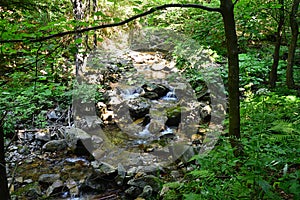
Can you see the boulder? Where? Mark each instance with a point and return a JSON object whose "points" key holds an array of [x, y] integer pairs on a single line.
{"points": [[55, 145], [56, 189], [138, 108], [48, 178], [159, 89], [174, 116], [43, 136], [205, 113], [79, 141], [147, 192], [150, 95], [149, 180]]}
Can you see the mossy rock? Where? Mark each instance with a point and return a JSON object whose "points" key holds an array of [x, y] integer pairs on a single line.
{"points": [[174, 116]]}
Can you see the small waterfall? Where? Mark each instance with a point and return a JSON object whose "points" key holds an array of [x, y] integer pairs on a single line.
{"points": [[131, 93], [168, 134], [167, 131], [170, 96], [145, 133]]}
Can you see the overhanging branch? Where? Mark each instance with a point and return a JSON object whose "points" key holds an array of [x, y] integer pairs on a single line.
{"points": [[152, 10]]}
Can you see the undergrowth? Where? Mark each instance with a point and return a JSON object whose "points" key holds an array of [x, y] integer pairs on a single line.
{"points": [[270, 166]]}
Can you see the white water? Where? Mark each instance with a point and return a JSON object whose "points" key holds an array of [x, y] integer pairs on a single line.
{"points": [[145, 133], [167, 131], [170, 96], [131, 93]]}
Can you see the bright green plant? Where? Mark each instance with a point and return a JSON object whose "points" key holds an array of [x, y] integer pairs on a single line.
{"points": [[267, 170]]}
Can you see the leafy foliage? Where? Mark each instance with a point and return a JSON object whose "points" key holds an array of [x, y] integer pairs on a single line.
{"points": [[270, 167]]}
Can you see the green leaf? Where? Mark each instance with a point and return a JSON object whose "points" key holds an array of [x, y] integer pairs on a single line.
{"points": [[264, 185], [78, 41], [136, 10], [191, 196], [116, 19], [138, 2], [99, 13]]}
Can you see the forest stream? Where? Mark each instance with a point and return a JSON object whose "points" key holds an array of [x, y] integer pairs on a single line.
{"points": [[143, 132]]}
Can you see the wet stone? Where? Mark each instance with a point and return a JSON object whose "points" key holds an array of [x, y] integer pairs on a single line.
{"points": [[141, 182], [133, 191], [48, 178], [43, 136], [56, 188], [147, 192], [151, 95], [138, 108], [55, 145]]}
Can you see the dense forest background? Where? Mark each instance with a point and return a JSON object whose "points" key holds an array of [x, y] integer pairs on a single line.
{"points": [[44, 44]]}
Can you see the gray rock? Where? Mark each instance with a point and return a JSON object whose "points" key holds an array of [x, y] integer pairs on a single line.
{"points": [[28, 181], [43, 136], [150, 169], [79, 141], [131, 171], [97, 140], [150, 180], [133, 191], [159, 89], [156, 126], [174, 116], [158, 67], [52, 115], [57, 186], [121, 174], [72, 186], [147, 192], [55, 145], [205, 112], [77, 134], [150, 95], [102, 167], [138, 108], [48, 178]]}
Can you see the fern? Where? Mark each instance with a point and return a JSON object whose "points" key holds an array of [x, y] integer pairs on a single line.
{"points": [[192, 196], [284, 130], [200, 174]]}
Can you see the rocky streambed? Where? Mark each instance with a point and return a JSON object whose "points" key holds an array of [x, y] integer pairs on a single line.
{"points": [[141, 133]]}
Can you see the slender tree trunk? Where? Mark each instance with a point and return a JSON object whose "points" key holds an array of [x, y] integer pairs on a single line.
{"points": [[87, 17], [292, 48], [78, 10], [4, 192], [233, 76], [273, 73], [95, 18]]}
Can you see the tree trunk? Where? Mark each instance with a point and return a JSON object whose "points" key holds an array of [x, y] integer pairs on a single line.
{"points": [[78, 10], [292, 48], [88, 14], [233, 76], [95, 18], [273, 73], [4, 192]]}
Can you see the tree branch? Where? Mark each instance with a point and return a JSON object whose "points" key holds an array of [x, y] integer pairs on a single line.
{"points": [[152, 10]]}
